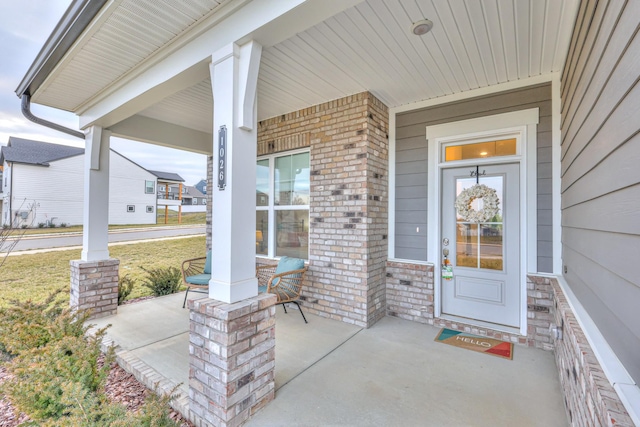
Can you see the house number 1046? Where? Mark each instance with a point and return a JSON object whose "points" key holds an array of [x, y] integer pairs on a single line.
{"points": [[222, 157]]}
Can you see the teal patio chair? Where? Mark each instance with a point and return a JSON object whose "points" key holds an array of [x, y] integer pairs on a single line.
{"points": [[196, 273], [284, 280]]}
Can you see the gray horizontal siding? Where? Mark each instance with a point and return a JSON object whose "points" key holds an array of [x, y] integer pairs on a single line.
{"points": [[600, 174], [411, 164]]}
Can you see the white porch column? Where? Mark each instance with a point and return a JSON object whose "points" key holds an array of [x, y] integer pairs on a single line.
{"points": [[234, 76], [95, 217], [94, 278]]}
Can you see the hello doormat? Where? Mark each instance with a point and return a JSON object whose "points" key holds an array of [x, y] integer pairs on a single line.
{"points": [[476, 343]]}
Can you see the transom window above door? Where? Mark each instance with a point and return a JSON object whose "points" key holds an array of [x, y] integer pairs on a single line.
{"points": [[480, 150]]}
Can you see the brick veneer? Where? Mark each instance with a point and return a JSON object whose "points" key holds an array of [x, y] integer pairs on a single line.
{"points": [[94, 286], [590, 400], [348, 141], [231, 359]]}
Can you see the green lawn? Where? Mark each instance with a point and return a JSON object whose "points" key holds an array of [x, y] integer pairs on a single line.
{"points": [[35, 276]]}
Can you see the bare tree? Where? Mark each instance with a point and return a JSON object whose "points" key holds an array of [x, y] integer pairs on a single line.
{"points": [[10, 234]]}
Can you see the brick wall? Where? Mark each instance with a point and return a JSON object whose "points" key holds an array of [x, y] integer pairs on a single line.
{"points": [[348, 141], [590, 400], [410, 291], [231, 359], [94, 286]]}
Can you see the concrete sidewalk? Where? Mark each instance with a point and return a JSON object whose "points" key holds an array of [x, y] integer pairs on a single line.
{"points": [[332, 373]]}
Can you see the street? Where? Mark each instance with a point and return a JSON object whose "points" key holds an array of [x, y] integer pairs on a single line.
{"points": [[49, 241]]}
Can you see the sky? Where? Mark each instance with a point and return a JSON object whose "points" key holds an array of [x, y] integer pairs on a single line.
{"points": [[25, 25]]}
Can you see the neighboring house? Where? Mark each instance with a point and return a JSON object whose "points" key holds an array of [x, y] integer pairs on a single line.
{"points": [[186, 194], [50, 177], [192, 196], [170, 189], [169, 186], [349, 134], [193, 200], [202, 186]]}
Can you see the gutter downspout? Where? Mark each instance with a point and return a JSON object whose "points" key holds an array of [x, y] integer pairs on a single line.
{"points": [[11, 197], [26, 111]]}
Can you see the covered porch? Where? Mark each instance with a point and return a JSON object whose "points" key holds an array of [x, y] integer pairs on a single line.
{"points": [[331, 373], [327, 125]]}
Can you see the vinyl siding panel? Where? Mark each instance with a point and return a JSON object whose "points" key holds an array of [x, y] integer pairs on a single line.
{"points": [[126, 187], [600, 174], [411, 165], [58, 191]]}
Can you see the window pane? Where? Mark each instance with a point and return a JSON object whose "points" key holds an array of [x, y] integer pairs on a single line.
{"points": [[262, 232], [491, 246], [300, 174], [262, 183], [292, 233], [467, 245], [292, 180], [482, 150], [480, 245], [149, 187]]}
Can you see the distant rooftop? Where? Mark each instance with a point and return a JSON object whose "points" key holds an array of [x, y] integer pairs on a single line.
{"points": [[40, 153], [167, 176], [194, 192]]}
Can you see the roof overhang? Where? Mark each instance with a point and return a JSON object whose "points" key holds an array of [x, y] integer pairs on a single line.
{"points": [[141, 65], [75, 20]]}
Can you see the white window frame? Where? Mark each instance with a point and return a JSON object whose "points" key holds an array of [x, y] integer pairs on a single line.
{"points": [[521, 124], [153, 189], [271, 207]]}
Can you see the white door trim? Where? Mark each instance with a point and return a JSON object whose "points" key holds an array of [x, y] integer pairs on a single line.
{"points": [[522, 123]]}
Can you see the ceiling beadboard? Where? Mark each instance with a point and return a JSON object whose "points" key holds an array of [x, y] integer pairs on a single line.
{"points": [[473, 44]]}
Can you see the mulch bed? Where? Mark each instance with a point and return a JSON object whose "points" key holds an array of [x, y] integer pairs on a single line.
{"points": [[121, 387]]}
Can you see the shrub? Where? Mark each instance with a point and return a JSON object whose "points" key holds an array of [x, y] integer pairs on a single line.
{"points": [[49, 349], [63, 225], [51, 225], [23, 226], [26, 325], [52, 379], [162, 281], [125, 286], [41, 225], [60, 372]]}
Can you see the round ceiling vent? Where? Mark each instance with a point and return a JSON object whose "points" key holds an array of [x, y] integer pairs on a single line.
{"points": [[421, 27]]}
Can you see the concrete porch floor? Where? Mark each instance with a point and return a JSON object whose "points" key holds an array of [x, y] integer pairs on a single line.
{"points": [[331, 373]]}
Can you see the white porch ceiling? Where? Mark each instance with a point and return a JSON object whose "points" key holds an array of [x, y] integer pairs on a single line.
{"points": [[473, 44]]}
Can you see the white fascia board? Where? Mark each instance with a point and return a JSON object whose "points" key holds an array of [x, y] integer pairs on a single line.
{"points": [[146, 129], [165, 72]]}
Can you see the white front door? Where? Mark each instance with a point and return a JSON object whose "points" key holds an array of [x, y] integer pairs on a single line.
{"points": [[485, 256]]}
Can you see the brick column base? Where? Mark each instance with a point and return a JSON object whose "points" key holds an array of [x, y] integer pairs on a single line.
{"points": [[94, 286], [231, 359]]}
